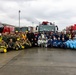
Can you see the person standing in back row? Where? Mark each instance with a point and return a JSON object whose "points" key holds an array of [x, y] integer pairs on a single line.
{"points": [[31, 37]]}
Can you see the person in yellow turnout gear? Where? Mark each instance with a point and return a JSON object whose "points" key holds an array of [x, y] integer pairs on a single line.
{"points": [[3, 46], [0, 37], [27, 43], [24, 36]]}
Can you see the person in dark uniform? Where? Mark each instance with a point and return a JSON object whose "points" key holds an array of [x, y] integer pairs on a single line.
{"points": [[5, 37], [31, 37], [11, 36]]}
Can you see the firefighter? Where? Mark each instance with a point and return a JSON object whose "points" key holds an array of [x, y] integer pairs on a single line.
{"points": [[49, 43], [3, 46], [5, 37], [54, 42], [17, 44], [31, 38], [24, 36], [3, 43], [39, 41], [21, 43], [26, 32], [0, 37], [59, 42], [63, 44], [27, 43], [13, 37], [44, 40], [10, 44]]}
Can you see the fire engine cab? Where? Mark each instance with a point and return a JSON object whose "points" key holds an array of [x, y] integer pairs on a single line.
{"points": [[46, 26]]}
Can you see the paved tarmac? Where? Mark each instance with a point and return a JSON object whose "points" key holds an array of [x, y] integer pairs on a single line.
{"points": [[38, 61]]}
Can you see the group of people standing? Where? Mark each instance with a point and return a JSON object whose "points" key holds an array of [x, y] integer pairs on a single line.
{"points": [[53, 40], [14, 40], [20, 40]]}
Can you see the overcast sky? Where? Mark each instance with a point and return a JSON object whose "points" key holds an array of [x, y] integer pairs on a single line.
{"points": [[62, 12]]}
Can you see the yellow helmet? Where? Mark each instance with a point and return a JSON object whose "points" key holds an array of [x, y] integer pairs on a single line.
{"points": [[5, 50], [18, 38], [23, 47], [26, 31], [16, 31]]}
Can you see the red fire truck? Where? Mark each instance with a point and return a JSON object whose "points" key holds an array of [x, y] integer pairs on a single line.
{"points": [[6, 28], [46, 26], [71, 29]]}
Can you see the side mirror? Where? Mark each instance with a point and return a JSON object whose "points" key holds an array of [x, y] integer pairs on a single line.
{"points": [[57, 28], [36, 27], [1, 29]]}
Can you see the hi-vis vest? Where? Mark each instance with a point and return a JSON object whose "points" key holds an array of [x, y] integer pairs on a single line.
{"points": [[24, 36], [0, 38]]}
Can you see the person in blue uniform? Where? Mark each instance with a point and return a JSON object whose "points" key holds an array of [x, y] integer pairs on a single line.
{"points": [[49, 43], [63, 44], [59, 42], [54, 42]]}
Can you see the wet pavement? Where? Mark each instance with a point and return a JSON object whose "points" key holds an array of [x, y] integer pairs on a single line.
{"points": [[7, 57], [39, 61]]}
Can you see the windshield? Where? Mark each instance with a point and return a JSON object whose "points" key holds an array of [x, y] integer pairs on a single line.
{"points": [[23, 29], [46, 28]]}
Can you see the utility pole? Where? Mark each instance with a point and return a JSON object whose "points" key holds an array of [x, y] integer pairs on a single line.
{"points": [[19, 19]]}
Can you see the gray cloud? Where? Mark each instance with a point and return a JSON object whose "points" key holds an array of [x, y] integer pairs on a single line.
{"points": [[38, 10], [16, 0]]}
